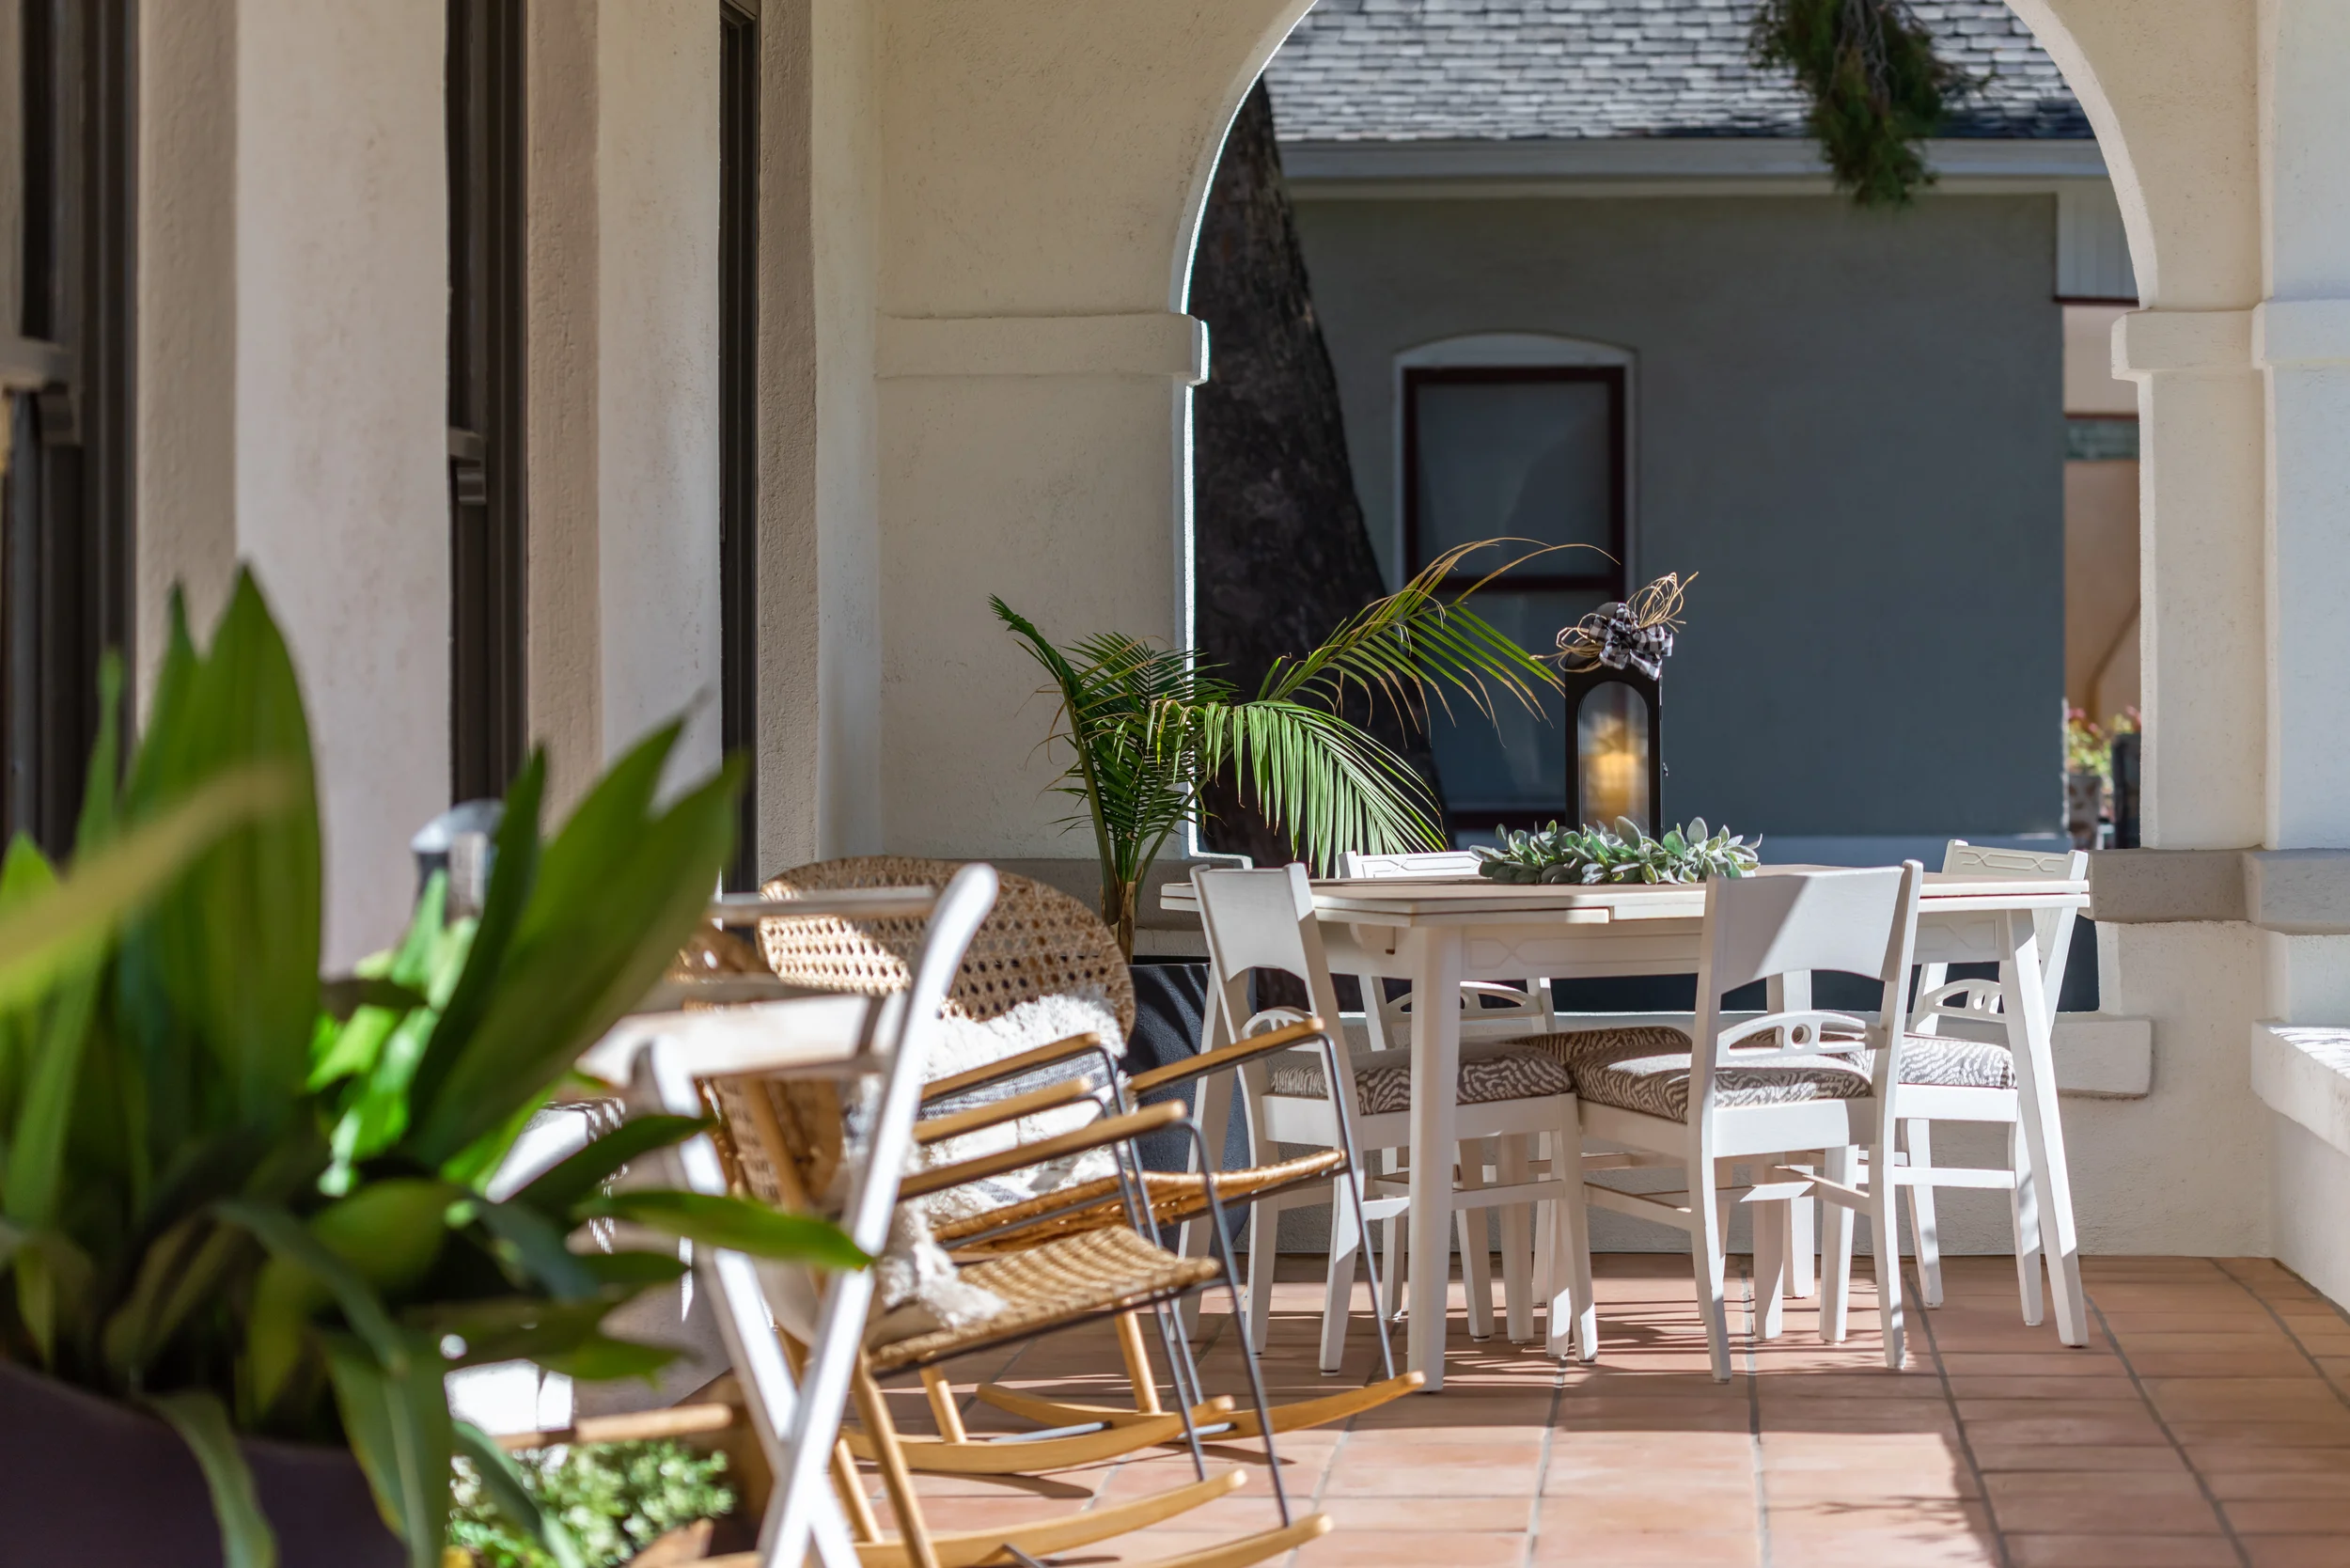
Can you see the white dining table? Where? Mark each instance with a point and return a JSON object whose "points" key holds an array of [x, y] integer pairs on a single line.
{"points": [[1438, 932]]}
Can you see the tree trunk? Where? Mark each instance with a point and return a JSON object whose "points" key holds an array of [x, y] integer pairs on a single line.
{"points": [[1280, 549]]}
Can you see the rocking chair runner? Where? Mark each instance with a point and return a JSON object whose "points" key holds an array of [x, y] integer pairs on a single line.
{"points": [[1039, 942], [797, 1416]]}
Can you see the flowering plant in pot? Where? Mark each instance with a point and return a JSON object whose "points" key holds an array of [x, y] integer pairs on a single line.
{"points": [[253, 1204]]}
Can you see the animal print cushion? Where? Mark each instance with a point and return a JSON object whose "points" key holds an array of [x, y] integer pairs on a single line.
{"points": [[1647, 1070], [1383, 1083], [1928, 1058]]}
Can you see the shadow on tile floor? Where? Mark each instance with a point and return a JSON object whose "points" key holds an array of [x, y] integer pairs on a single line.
{"points": [[2207, 1423]]}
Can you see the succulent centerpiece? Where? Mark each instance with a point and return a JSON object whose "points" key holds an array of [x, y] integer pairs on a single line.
{"points": [[1590, 856]]}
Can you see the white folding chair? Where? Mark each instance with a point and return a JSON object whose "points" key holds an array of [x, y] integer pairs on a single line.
{"points": [[1266, 920], [798, 1420], [1956, 1067], [1759, 1092]]}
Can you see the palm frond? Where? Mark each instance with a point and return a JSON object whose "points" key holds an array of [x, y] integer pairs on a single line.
{"points": [[1415, 644]]}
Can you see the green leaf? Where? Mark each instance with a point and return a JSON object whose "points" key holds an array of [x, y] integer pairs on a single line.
{"points": [[515, 1327], [398, 1426], [735, 1225], [504, 1483], [287, 1238], [581, 959], [228, 953], [532, 1246], [203, 1422], [554, 1191], [603, 1361]]}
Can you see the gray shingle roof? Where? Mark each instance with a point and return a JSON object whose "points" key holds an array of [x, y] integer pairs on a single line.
{"points": [[1511, 69]]}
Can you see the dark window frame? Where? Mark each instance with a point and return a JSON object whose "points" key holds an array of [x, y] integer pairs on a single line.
{"points": [[488, 346], [1536, 578], [67, 536], [737, 415]]}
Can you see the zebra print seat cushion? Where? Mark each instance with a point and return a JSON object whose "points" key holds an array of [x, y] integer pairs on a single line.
{"points": [[1647, 1070], [1383, 1081], [1943, 1063]]}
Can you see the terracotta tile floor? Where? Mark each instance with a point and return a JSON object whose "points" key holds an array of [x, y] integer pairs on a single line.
{"points": [[2207, 1423]]}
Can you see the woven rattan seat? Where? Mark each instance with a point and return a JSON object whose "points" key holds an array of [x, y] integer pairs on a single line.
{"points": [[1061, 1281], [1175, 1196]]}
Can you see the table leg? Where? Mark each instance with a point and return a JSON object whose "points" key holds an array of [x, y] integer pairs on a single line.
{"points": [[2028, 1027], [1214, 1114], [1782, 994], [1435, 1083]]}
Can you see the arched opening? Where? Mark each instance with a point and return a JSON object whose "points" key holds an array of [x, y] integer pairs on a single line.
{"points": [[1839, 415]]}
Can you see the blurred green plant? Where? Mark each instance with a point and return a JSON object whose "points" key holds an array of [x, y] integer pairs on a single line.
{"points": [[2088, 746], [1876, 87], [614, 1498], [1146, 727], [1587, 856], [254, 1203]]}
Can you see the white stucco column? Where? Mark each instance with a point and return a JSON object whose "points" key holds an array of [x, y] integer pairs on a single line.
{"points": [[657, 372], [341, 396]]}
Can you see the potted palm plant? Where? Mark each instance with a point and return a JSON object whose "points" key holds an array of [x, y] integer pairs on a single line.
{"points": [[1145, 726], [244, 1230]]}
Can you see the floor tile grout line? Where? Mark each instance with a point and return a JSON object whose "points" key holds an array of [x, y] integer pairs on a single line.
{"points": [[2162, 1423], [2278, 1319], [1754, 1425], [1958, 1423], [1550, 1434]]}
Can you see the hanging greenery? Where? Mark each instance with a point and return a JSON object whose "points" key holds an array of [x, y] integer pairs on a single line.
{"points": [[1877, 88]]}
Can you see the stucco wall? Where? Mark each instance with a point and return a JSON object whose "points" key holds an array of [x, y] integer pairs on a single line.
{"points": [[1842, 421]]}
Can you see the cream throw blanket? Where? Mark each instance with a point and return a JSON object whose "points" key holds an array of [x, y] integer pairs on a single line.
{"points": [[917, 1289]]}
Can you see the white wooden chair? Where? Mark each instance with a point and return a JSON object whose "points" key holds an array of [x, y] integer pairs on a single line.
{"points": [[1763, 1089], [1956, 1067], [1264, 920], [798, 1418], [1490, 1010]]}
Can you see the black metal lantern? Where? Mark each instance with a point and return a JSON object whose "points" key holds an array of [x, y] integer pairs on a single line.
{"points": [[1614, 746]]}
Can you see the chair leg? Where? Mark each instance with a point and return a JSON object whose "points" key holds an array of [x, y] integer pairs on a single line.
{"points": [[1885, 1221], [1772, 1224], [913, 1530], [1264, 1240], [1477, 1257], [1397, 1232], [1337, 1291], [1710, 1264], [1517, 1242], [1803, 1247], [2024, 1213], [1573, 1242], [1923, 1224], [1835, 1249]]}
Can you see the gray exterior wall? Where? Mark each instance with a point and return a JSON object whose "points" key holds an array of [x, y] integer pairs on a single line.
{"points": [[1849, 424]]}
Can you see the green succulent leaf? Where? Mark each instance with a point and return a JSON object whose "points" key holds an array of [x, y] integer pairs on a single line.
{"points": [[1589, 857]]}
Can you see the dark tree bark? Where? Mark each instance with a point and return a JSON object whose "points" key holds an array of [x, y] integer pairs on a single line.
{"points": [[1281, 550]]}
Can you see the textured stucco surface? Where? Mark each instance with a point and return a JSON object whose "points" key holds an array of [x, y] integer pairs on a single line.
{"points": [[1836, 416]]}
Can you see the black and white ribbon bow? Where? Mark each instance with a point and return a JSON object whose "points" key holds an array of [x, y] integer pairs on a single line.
{"points": [[1613, 637]]}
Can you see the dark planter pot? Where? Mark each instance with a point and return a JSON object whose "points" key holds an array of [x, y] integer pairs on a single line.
{"points": [[84, 1479]]}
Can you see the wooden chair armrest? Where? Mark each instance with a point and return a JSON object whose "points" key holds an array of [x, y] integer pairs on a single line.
{"points": [[956, 1123], [1116, 1129], [677, 1421], [1011, 1067], [1225, 1057]]}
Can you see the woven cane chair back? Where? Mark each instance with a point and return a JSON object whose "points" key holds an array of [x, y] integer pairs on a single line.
{"points": [[1037, 942]]}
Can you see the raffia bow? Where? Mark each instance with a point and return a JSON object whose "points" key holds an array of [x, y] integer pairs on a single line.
{"points": [[1635, 634]]}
